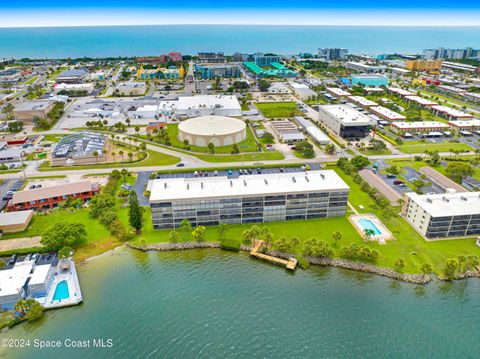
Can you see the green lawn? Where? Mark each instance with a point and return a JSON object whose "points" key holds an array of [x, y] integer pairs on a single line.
{"points": [[408, 244], [247, 145], [52, 137], [30, 81], [278, 109], [153, 159], [258, 156], [369, 152], [448, 99], [417, 147], [98, 237]]}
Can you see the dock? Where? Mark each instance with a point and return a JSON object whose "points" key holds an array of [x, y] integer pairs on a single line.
{"points": [[290, 264]]}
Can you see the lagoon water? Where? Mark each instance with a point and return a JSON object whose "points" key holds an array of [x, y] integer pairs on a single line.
{"points": [[216, 304], [189, 39]]}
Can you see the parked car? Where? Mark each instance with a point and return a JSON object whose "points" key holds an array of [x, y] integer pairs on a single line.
{"points": [[398, 182], [230, 172], [389, 175], [181, 164]]}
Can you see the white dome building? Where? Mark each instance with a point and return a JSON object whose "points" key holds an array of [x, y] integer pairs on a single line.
{"points": [[219, 130]]}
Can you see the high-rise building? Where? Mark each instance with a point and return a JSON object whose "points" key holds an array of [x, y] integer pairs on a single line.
{"points": [[455, 54], [211, 57], [423, 65], [175, 56], [332, 53]]}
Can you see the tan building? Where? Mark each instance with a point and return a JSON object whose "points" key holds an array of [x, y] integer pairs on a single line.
{"points": [[11, 222], [29, 110], [423, 65]]}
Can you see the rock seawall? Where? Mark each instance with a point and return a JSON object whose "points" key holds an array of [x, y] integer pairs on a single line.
{"points": [[337, 262]]}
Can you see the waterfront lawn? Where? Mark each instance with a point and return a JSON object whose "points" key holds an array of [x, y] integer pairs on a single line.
{"points": [[98, 239], [408, 244], [278, 109], [417, 147]]}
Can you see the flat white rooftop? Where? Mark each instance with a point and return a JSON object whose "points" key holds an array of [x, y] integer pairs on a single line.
{"points": [[421, 101], [175, 189], [448, 204], [362, 101], [337, 91], [419, 125], [202, 101], [14, 218], [451, 111], [40, 274], [347, 115], [387, 113], [465, 123], [400, 91], [12, 280]]}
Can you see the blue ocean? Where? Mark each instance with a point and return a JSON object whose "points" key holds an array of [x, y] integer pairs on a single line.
{"points": [[58, 42]]}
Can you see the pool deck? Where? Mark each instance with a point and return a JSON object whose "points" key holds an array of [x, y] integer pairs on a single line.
{"points": [[381, 238], [75, 294]]}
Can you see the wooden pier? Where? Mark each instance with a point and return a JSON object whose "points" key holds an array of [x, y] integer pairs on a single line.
{"points": [[290, 264]]}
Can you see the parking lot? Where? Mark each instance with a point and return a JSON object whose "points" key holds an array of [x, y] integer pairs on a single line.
{"points": [[7, 188]]}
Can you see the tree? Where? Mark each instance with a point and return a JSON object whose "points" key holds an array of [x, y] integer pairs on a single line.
{"points": [[263, 85], [185, 228], [368, 233], [471, 263], [137, 129], [199, 233], [173, 236], [450, 268], [100, 204], [29, 309], [121, 153], [8, 111], [400, 264], [315, 248], [63, 234], [221, 231], [211, 148], [266, 235], [461, 260], [359, 162], [15, 126], [336, 236], [457, 171], [113, 155], [130, 156], [426, 269], [124, 173], [330, 149], [249, 235], [95, 154], [135, 212], [65, 252]]}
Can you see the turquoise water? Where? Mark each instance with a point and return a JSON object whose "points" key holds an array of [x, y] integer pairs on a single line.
{"points": [[368, 224], [216, 304], [190, 39], [61, 291]]}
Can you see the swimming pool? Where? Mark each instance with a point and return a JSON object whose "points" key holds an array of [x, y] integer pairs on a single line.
{"points": [[368, 224], [61, 291]]}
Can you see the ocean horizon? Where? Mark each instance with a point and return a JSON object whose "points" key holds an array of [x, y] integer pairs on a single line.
{"points": [[151, 40]]}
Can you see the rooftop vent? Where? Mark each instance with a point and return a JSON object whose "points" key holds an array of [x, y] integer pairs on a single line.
{"points": [[294, 180], [231, 183], [463, 198], [245, 183], [306, 179], [429, 200], [266, 182], [322, 175], [165, 185], [188, 185], [445, 199], [201, 184]]}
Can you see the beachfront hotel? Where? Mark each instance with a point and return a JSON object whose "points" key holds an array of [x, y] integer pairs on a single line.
{"points": [[443, 215], [247, 199]]}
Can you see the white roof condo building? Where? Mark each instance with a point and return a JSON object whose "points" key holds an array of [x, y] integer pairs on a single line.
{"points": [[362, 101], [399, 91], [202, 105], [417, 126], [387, 114], [219, 130], [450, 113], [248, 199], [338, 92], [420, 101], [345, 121], [468, 125], [443, 215]]}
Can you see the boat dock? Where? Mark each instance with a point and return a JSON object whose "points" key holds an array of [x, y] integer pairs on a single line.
{"points": [[290, 264]]}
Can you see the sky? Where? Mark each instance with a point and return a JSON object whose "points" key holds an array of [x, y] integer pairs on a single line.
{"points": [[31, 13]]}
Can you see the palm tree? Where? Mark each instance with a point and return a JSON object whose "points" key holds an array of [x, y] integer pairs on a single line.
{"points": [[336, 236], [113, 155], [221, 231], [130, 156], [95, 154], [121, 153]]}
